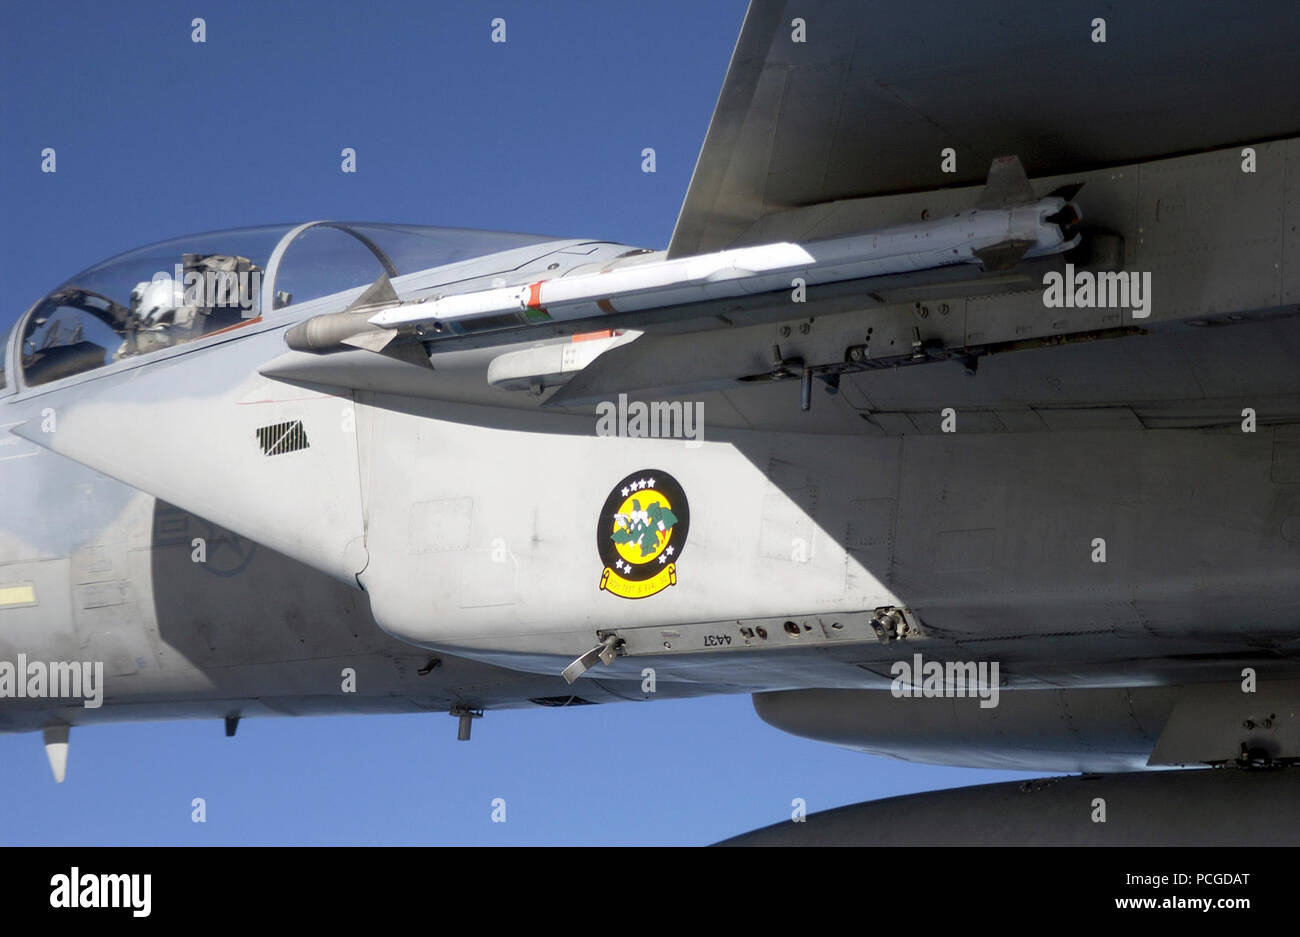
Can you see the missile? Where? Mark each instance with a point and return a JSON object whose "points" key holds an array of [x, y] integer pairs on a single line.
{"points": [[352, 327], [1008, 223]]}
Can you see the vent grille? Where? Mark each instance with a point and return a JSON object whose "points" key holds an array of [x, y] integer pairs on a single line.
{"points": [[560, 701], [280, 438]]}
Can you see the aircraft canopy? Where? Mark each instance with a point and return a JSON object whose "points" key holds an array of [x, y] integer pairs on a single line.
{"points": [[187, 288]]}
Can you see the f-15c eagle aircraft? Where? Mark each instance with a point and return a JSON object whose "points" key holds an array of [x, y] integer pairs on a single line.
{"points": [[959, 421]]}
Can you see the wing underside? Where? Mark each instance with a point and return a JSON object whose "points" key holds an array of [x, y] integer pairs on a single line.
{"points": [[827, 99]]}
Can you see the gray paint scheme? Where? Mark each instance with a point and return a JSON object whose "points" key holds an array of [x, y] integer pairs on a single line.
{"points": [[379, 545]]}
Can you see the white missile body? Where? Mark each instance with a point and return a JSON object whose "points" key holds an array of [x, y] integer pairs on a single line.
{"points": [[1016, 231]]}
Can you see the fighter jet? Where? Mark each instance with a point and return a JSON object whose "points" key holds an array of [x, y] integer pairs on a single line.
{"points": [[959, 421]]}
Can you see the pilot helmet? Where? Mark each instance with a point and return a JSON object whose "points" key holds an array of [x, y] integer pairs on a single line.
{"points": [[154, 299]]}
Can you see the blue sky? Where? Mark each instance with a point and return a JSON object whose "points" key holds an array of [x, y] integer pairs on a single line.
{"points": [[156, 137]]}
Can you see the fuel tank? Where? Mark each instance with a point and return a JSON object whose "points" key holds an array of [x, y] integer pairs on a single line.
{"points": [[1197, 807]]}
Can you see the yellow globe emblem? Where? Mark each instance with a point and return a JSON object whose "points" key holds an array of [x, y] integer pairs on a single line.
{"points": [[635, 508], [640, 534]]}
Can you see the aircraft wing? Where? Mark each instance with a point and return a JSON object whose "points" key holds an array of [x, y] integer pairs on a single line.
{"points": [[868, 101], [1146, 112]]}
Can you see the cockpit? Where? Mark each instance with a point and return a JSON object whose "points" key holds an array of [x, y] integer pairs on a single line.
{"points": [[197, 287]]}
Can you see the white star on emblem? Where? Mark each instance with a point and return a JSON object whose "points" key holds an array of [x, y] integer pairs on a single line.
{"points": [[625, 492], [651, 483], [662, 559], [669, 551]]}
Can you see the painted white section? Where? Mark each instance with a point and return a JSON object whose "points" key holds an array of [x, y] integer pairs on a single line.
{"points": [[898, 249]]}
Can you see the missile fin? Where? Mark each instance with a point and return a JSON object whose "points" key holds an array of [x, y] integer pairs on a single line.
{"points": [[376, 340], [1067, 192], [412, 353], [1003, 256], [379, 293], [380, 341], [1007, 185]]}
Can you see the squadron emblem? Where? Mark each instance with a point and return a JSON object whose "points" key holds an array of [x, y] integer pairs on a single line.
{"points": [[640, 534]]}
